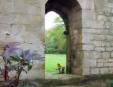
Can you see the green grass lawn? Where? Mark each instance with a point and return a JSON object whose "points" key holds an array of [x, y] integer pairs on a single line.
{"points": [[51, 61]]}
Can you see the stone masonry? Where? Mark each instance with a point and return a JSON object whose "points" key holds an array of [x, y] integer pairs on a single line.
{"points": [[89, 24], [97, 37], [89, 27], [23, 21]]}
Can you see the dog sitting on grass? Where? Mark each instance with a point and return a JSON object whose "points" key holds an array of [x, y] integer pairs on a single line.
{"points": [[61, 69]]}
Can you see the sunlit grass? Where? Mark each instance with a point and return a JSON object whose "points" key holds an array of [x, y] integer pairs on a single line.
{"points": [[51, 61]]}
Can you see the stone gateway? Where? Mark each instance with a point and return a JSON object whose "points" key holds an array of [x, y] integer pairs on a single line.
{"points": [[89, 32]]}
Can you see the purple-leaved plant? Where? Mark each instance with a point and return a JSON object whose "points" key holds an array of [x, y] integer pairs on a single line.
{"points": [[22, 57], [27, 55], [10, 50]]}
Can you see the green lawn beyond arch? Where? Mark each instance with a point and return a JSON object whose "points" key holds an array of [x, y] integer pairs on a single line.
{"points": [[51, 61]]}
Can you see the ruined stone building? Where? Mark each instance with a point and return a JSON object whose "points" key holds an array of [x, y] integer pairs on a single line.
{"points": [[89, 32]]}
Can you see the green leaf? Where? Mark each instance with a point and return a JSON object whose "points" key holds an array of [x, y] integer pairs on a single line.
{"points": [[25, 71], [15, 59], [26, 63], [29, 67]]}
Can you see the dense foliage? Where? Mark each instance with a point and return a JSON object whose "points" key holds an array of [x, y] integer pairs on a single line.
{"points": [[55, 38]]}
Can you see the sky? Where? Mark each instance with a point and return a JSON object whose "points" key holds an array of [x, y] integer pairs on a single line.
{"points": [[49, 19]]}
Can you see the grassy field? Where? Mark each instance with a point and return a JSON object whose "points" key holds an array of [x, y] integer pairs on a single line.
{"points": [[51, 61]]}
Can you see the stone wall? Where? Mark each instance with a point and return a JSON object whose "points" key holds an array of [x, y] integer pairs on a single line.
{"points": [[89, 39], [97, 37], [75, 40], [23, 21], [89, 25]]}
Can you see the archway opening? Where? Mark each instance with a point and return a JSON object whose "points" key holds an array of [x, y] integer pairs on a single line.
{"points": [[71, 12], [55, 58]]}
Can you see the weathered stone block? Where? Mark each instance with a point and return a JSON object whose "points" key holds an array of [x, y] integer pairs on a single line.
{"points": [[100, 49], [104, 70], [106, 55], [106, 44], [94, 70], [88, 47], [92, 54], [87, 4], [86, 37], [108, 64], [109, 49], [89, 15], [110, 60], [102, 60], [92, 63], [97, 43], [100, 64], [112, 54], [93, 24], [7, 18], [99, 37], [86, 71], [101, 18], [111, 70]]}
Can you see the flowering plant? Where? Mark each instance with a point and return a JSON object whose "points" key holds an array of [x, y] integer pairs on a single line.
{"points": [[21, 58]]}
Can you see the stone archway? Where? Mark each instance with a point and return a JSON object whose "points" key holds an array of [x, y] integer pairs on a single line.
{"points": [[71, 12], [89, 25], [89, 38]]}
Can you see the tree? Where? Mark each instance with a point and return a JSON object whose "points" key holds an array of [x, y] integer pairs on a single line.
{"points": [[55, 39]]}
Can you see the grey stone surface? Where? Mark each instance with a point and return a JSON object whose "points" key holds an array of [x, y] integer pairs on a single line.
{"points": [[23, 21], [89, 23]]}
